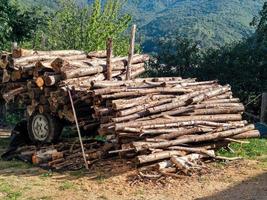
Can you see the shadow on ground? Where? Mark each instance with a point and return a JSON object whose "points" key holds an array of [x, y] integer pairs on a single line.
{"points": [[253, 188]]}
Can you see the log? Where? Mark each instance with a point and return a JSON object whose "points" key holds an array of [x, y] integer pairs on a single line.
{"points": [[142, 159], [186, 163], [16, 75], [5, 76], [40, 82], [213, 111], [131, 53], [97, 54], [191, 123], [140, 92], [248, 135], [233, 100], [209, 94], [139, 146], [137, 71], [109, 57], [211, 118], [52, 80], [17, 53], [178, 102], [181, 131], [13, 93], [164, 164]]}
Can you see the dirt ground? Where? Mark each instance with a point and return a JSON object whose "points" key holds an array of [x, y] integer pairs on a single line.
{"points": [[245, 179]]}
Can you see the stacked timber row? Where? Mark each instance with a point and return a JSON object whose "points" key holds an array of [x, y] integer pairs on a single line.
{"points": [[171, 123], [38, 79], [168, 124]]}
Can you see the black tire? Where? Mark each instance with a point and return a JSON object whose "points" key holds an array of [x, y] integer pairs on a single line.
{"points": [[44, 128]]}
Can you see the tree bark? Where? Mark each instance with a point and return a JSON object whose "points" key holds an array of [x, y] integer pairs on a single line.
{"points": [[142, 159], [109, 57], [139, 146], [131, 53]]}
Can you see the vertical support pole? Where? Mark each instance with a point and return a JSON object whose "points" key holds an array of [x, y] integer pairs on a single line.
{"points": [[43, 42], [78, 128], [2, 112], [263, 117], [131, 53], [14, 46], [109, 57]]}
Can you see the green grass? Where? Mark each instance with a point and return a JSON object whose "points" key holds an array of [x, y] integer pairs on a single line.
{"points": [[4, 142], [48, 174], [14, 164], [9, 192], [256, 150], [66, 186]]}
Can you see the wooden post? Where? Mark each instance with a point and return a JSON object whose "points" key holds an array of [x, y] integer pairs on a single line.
{"points": [[131, 53], [109, 57], [263, 117], [2, 112], [78, 128], [14, 46], [43, 41]]}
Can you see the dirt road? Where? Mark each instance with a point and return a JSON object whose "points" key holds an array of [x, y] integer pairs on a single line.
{"points": [[244, 179]]}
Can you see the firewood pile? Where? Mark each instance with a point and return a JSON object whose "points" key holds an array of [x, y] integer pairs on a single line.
{"points": [[166, 125], [169, 124], [38, 79]]}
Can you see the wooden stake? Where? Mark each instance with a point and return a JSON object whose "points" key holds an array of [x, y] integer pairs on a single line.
{"points": [[14, 46], [263, 117], [78, 128], [131, 53], [109, 57]]}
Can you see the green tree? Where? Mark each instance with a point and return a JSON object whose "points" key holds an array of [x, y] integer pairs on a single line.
{"points": [[243, 65], [177, 56], [17, 25], [74, 26], [260, 23]]}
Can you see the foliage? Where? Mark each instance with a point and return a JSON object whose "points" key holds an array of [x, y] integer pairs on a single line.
{"points": [[66, 185], [9, 192], [210, 23], [17, 25], [243, 65], [13, 118], [254, 149], [261, 24], [177, 56], [83, 27]]}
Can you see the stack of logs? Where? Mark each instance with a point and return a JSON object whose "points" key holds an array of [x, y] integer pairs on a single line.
{"points": [[169, 124], [38, 79]]}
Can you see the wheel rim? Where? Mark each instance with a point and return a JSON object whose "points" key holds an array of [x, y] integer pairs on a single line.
{"points": [[40, 127]]}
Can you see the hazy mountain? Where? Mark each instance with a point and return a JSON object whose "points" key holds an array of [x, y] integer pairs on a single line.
{"points": [[212, 22]]}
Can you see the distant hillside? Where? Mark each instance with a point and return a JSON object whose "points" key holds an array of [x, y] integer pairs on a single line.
{"points": [[212, 22]]}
